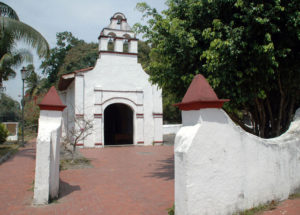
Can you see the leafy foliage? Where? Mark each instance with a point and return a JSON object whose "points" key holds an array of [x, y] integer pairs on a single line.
{"points": [[9, 109], [70, 54], [3, 133], [171, 211], [248, 50], [80, 56], [7, 11], [32, 111], [10, 57], [12, 30], [171, 114], [143, 54], [24, 32], [35, 85]]}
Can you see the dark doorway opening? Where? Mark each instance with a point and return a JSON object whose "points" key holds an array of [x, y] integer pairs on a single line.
{"points": [[118, 124]]}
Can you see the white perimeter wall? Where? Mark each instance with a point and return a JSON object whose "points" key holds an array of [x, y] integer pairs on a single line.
{"points": [[171, 128], [221, 169]]}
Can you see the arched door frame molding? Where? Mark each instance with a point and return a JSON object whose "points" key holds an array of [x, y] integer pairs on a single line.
{"points": [[130, 104]]}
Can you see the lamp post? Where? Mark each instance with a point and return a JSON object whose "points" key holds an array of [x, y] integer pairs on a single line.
{"points": [[23, 73]]}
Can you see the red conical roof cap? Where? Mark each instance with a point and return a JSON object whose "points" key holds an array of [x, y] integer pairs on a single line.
{"points": [[200, 95], [52, 101]]}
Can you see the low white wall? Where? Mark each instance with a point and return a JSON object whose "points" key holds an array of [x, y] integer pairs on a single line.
{"points": [[221, 169], [171, 128], [54, 162], [13, 137], [47, 157]]}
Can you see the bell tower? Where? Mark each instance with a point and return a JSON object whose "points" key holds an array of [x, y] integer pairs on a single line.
{"points": [[118, 37]]}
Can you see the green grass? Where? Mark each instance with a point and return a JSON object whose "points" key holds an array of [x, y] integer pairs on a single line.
{"points": [[294, 196], [5, 148], [78, 163], [31, 187], [254, 211]]}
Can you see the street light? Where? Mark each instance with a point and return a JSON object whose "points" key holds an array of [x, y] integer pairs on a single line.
{"points": [[23, 73]]}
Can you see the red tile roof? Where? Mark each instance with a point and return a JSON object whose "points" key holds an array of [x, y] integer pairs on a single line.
{"points": [[200, 95], [64, 83], [52, 101]]}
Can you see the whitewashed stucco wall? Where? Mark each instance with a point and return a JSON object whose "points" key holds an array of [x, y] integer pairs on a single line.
{"points": [[221, 169], [116, 79], [171, 128], [46, 182], [127, 79]]}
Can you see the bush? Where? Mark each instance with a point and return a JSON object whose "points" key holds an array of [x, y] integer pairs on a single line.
{"points": [[3, 133], [171, 211]]}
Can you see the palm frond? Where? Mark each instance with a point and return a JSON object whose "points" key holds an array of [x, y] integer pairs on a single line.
{"points": [[5, 59], [7, 42], [24, 54], [29, 35], [7, 11], [7, 74]]}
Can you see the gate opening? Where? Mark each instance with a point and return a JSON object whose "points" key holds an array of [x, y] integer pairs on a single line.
{"points": [[118, 124]]}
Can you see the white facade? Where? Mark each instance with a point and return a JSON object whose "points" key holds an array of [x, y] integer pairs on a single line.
{"points": [[221, 169], [117, 78]]}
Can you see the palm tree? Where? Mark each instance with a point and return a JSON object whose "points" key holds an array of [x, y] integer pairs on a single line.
{"points": [[35, 84], [12, 30]]}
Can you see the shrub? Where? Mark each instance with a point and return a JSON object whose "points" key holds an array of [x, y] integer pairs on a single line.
{"points": [[3, 133], [171, 211]]}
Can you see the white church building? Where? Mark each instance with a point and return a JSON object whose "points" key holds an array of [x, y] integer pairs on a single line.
{"points": [[115, 94]]}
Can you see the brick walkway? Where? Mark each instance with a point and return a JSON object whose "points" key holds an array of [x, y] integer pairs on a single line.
{"points": [[124, 180], [288, 207]]}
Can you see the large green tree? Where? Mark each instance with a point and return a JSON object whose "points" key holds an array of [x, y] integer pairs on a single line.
{"points": [[248, 50], [12, 30], [9, 109], [171, 113], [70, 54]]}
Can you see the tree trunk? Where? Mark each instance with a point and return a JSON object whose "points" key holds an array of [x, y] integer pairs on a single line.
{"points": [[262, 117], [290, 113], [241, 124], [280, 110], [270, 116]]}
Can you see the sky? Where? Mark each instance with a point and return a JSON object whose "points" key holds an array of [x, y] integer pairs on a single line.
{"points": [[84, 18]]}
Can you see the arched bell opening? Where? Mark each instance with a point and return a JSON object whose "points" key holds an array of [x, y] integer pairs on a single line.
{"points": [[126, 43], [111, 41], [118, 124]]}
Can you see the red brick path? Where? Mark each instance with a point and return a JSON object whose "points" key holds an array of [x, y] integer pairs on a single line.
{"points": [[288, 207], [124, 180]]}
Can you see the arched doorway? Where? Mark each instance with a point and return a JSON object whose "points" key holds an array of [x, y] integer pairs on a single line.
{"points": [[118, 124]]}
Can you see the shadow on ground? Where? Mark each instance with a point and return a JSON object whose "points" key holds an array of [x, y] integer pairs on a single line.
{"points": [[164, 170], [65, 188], [30, 153]]}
